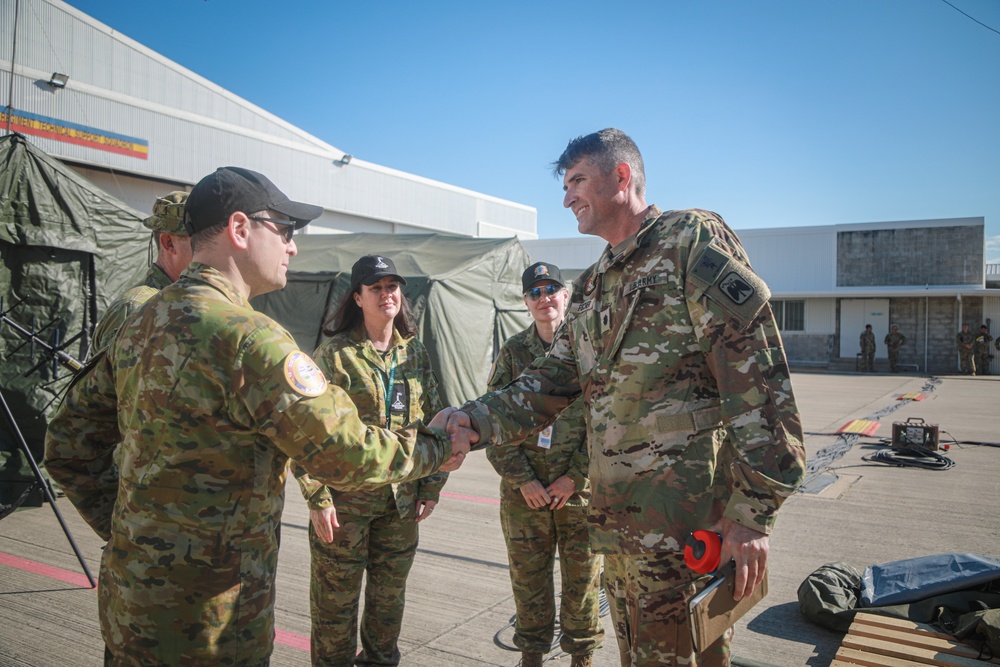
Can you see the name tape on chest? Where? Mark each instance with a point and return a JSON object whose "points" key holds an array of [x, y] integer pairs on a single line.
{"points": [[645, 281], [303, 375]]}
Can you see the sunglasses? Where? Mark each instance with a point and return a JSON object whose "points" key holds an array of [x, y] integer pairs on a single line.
{"points": [[286, 228], [535, 293]]}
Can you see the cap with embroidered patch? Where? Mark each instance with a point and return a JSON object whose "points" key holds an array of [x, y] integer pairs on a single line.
{"points": [[372, 268], [538, 272]]}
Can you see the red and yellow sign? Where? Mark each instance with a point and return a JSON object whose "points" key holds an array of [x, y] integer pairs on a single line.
{"points": [[71, 133]]}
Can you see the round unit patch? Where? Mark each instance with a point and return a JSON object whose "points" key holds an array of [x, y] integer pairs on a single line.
{"points": [[303, 375]]}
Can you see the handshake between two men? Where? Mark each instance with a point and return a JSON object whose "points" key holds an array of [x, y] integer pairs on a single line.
{"points": [[460, 431]]}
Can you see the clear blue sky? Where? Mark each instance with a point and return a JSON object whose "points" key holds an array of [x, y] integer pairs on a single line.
{"points": [[772, 112]]}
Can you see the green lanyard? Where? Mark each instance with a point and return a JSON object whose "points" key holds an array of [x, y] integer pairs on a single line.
{"points": [[389, 388]]}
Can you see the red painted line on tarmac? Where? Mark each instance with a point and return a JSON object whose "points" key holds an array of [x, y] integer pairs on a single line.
{"points": [[291, 639], [77, 579], [475, 499]]}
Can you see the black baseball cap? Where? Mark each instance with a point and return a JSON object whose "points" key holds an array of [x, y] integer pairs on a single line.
{"points": [[232, 189], [372, 268], [538, 272]]}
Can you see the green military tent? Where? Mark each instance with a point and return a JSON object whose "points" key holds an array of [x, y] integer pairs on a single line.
{"points": [[66, 250], [465, 294]]}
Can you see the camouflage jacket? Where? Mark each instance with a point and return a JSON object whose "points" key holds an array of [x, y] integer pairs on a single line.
{"points": [[208, 400], [567, 450], [982, 343], [686, 389], [867, 341], [965, 340], [894, 341], [351, 362], [119, 309]]}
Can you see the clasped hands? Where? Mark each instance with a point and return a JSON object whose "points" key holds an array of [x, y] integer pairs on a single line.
{"points": [[460, 431]]}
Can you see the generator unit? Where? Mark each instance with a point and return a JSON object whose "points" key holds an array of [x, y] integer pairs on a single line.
{"points": [[915, 432]]}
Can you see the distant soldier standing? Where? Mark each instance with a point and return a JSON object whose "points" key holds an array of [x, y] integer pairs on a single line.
{"points": [[893, 341], [868, 350], [981, 350], [544, 498], [173, 254], [965, 339]]}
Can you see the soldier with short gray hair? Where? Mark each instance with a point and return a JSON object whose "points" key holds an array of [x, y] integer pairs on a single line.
{"points": [[692, 423]]}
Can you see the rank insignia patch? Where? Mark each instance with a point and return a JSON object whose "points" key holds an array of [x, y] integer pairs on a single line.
{"points": [[303, 375]]}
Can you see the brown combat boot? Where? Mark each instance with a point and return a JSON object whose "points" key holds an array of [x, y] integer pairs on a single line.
{"points": [[531, 660], [582, 661]]}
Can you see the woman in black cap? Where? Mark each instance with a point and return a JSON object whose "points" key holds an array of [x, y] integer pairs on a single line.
{"points": [[374, 356]]}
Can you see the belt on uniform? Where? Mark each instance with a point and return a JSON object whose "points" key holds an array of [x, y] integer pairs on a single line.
{"points": [[695, 421]]}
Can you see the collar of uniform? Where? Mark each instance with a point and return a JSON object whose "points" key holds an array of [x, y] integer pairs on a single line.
{"points": [[614, 255], [360, 338], [157, 277], [204, 273], [535, 343]]}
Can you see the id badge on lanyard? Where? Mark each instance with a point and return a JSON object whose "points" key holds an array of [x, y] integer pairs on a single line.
{"points": [[545, 437]]}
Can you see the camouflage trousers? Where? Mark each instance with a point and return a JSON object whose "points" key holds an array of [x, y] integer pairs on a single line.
{"points": [[868, 361], [983, 363], [384, 547], [649, 594], [893, 360], [968, 366], [533, 537]]}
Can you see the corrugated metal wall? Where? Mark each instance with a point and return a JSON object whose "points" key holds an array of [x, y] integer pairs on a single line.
{"points": [[193, 126]]}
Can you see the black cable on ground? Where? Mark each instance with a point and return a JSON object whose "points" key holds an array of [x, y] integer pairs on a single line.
{"points": [[912, 456]]}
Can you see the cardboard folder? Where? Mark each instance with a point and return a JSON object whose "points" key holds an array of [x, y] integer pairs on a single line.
{"points": [[713, 609]]}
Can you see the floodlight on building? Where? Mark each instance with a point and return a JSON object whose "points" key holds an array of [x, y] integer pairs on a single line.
{"points": [[59, 80], [344, 161]]}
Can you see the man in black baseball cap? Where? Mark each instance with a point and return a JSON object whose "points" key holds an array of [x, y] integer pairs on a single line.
{"points": [[232, 189], [372, 268]]}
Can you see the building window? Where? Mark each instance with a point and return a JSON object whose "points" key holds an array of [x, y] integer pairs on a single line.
{"points": [[790, 314]]}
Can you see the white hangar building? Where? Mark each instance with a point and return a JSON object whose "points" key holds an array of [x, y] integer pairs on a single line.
{"points": [[139, 125], [828, 282]]}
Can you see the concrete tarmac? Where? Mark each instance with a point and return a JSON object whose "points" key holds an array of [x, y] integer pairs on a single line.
{"points": [[459, 604]]}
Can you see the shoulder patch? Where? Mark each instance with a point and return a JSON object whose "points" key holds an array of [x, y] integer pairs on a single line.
{"points": [[710, 265], [740, 292], [303, 375]]}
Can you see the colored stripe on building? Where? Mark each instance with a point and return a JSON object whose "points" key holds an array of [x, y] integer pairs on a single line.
{"points": [[71, 133]]}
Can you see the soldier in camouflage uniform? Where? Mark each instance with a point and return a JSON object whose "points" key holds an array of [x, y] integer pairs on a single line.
{"points": [[173, 254], [208, 400], [374, 356], [544, 494], [981, 350], [893, 341], [691, 418], [965, 339], [867, 350]]}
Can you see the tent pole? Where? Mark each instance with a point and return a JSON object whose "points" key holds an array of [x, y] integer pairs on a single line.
{"points": [[22, 443]]}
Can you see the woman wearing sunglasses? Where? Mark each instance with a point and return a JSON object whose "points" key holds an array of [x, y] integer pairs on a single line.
{"points": [[544, 494], [373, 355]]}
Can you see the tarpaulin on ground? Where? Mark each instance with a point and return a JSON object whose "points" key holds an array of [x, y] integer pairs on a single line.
{"points": [[465, 295], [67, 249]]}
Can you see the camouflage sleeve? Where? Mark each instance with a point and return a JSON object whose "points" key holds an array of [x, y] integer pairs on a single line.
{"points": [[579, 463], [318, 425], [316, 494], [429, 488], [117, 313], [511, 463], [531, 401], [80, 444], [739, 339]]}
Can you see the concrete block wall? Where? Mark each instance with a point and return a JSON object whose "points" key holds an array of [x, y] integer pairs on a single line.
{"points": [[813, 349], [911, 256], [931, 325]]}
